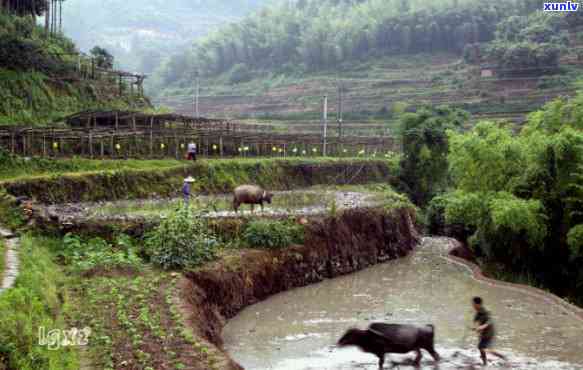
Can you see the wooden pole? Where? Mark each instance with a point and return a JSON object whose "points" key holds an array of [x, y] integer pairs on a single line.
{"points": [[151, 142], [90, 145]]}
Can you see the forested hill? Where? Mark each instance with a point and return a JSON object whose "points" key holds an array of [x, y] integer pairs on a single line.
{"points": [[311, 35], [322, 33], [140, 33]]}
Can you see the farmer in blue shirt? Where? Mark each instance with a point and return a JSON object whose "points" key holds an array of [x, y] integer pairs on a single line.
{"points": [[186, 187]]}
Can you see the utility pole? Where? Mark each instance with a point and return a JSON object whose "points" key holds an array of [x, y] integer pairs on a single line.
{"points": [[339, 114], [196, 95], [325, 122]]}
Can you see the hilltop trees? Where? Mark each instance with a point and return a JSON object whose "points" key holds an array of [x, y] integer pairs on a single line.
{"points": [[51, 9], [528, 44], [313, 35], [25, 7], [23, 47]]}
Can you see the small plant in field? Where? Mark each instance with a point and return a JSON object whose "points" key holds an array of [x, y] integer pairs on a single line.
{"points": [[182, 240], [98, 254], [273, 234], [333, 208]]}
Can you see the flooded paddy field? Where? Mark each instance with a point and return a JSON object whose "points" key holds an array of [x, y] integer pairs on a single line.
{"points": [[293, 203], [298, 329]]}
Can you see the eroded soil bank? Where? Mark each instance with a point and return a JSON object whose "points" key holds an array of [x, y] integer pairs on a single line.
{"points": [[297, 330], [335, 246]]}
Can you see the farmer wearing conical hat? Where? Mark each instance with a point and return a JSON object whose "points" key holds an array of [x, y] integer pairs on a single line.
{"points": [[186, 187]]}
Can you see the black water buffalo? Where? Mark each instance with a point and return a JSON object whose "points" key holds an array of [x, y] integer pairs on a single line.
{"points": [[250, 194], [382, 338]]}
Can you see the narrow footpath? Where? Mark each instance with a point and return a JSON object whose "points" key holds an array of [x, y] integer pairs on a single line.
{"points": [[11, 261]]}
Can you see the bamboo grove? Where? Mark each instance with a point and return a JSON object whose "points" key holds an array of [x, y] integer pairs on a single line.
{"points": [[52, 10]]}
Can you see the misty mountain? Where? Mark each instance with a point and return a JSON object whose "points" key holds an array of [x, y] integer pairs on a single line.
{"points": [[139, 33]]}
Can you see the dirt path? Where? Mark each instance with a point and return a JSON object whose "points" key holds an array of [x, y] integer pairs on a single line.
{"points": [[12, 262]]}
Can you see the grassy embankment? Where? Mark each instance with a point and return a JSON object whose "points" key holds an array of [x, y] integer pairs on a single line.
{"points": [[83, 180], [33, 98], [39, 299]]}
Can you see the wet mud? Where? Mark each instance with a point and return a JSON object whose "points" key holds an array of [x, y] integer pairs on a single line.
{"points": [[285, 203], [298, 329]]}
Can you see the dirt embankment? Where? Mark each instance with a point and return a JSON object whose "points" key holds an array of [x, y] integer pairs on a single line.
{"points": [[334, 246], [219, 176]]}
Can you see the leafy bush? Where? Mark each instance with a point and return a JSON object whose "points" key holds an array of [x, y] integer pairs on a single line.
{"points": [[575, 240], [551, 82], [98, 255], [271, 234], [23, 54], [102, 57], [182, 240]]}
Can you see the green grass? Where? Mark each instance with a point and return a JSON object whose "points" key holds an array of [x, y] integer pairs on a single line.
{"points": [[38, 299], [36, 85], [22, 169], [147, 179], [29, 98]]}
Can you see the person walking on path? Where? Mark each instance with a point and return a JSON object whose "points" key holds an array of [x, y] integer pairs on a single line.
{"points": [[186, 188], [191, 152], [485, 329]]}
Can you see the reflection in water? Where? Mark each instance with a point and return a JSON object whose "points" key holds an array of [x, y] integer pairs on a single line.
{"points": [[297, 329]]}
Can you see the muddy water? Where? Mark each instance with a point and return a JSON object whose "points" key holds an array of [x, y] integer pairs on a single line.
{"points": [[297, 329]]}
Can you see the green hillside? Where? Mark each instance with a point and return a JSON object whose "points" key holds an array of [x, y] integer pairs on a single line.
{"points": [[382, 55], [39, 76]]}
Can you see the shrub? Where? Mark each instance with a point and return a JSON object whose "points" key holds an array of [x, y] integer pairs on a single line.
{"points": [[575, 240], [271, 234], [102, 57], [98, 255], [182, 240], [550, 82]]}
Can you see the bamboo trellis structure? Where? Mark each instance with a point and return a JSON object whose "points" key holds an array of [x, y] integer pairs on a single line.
{"points": [[117, 135]]}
